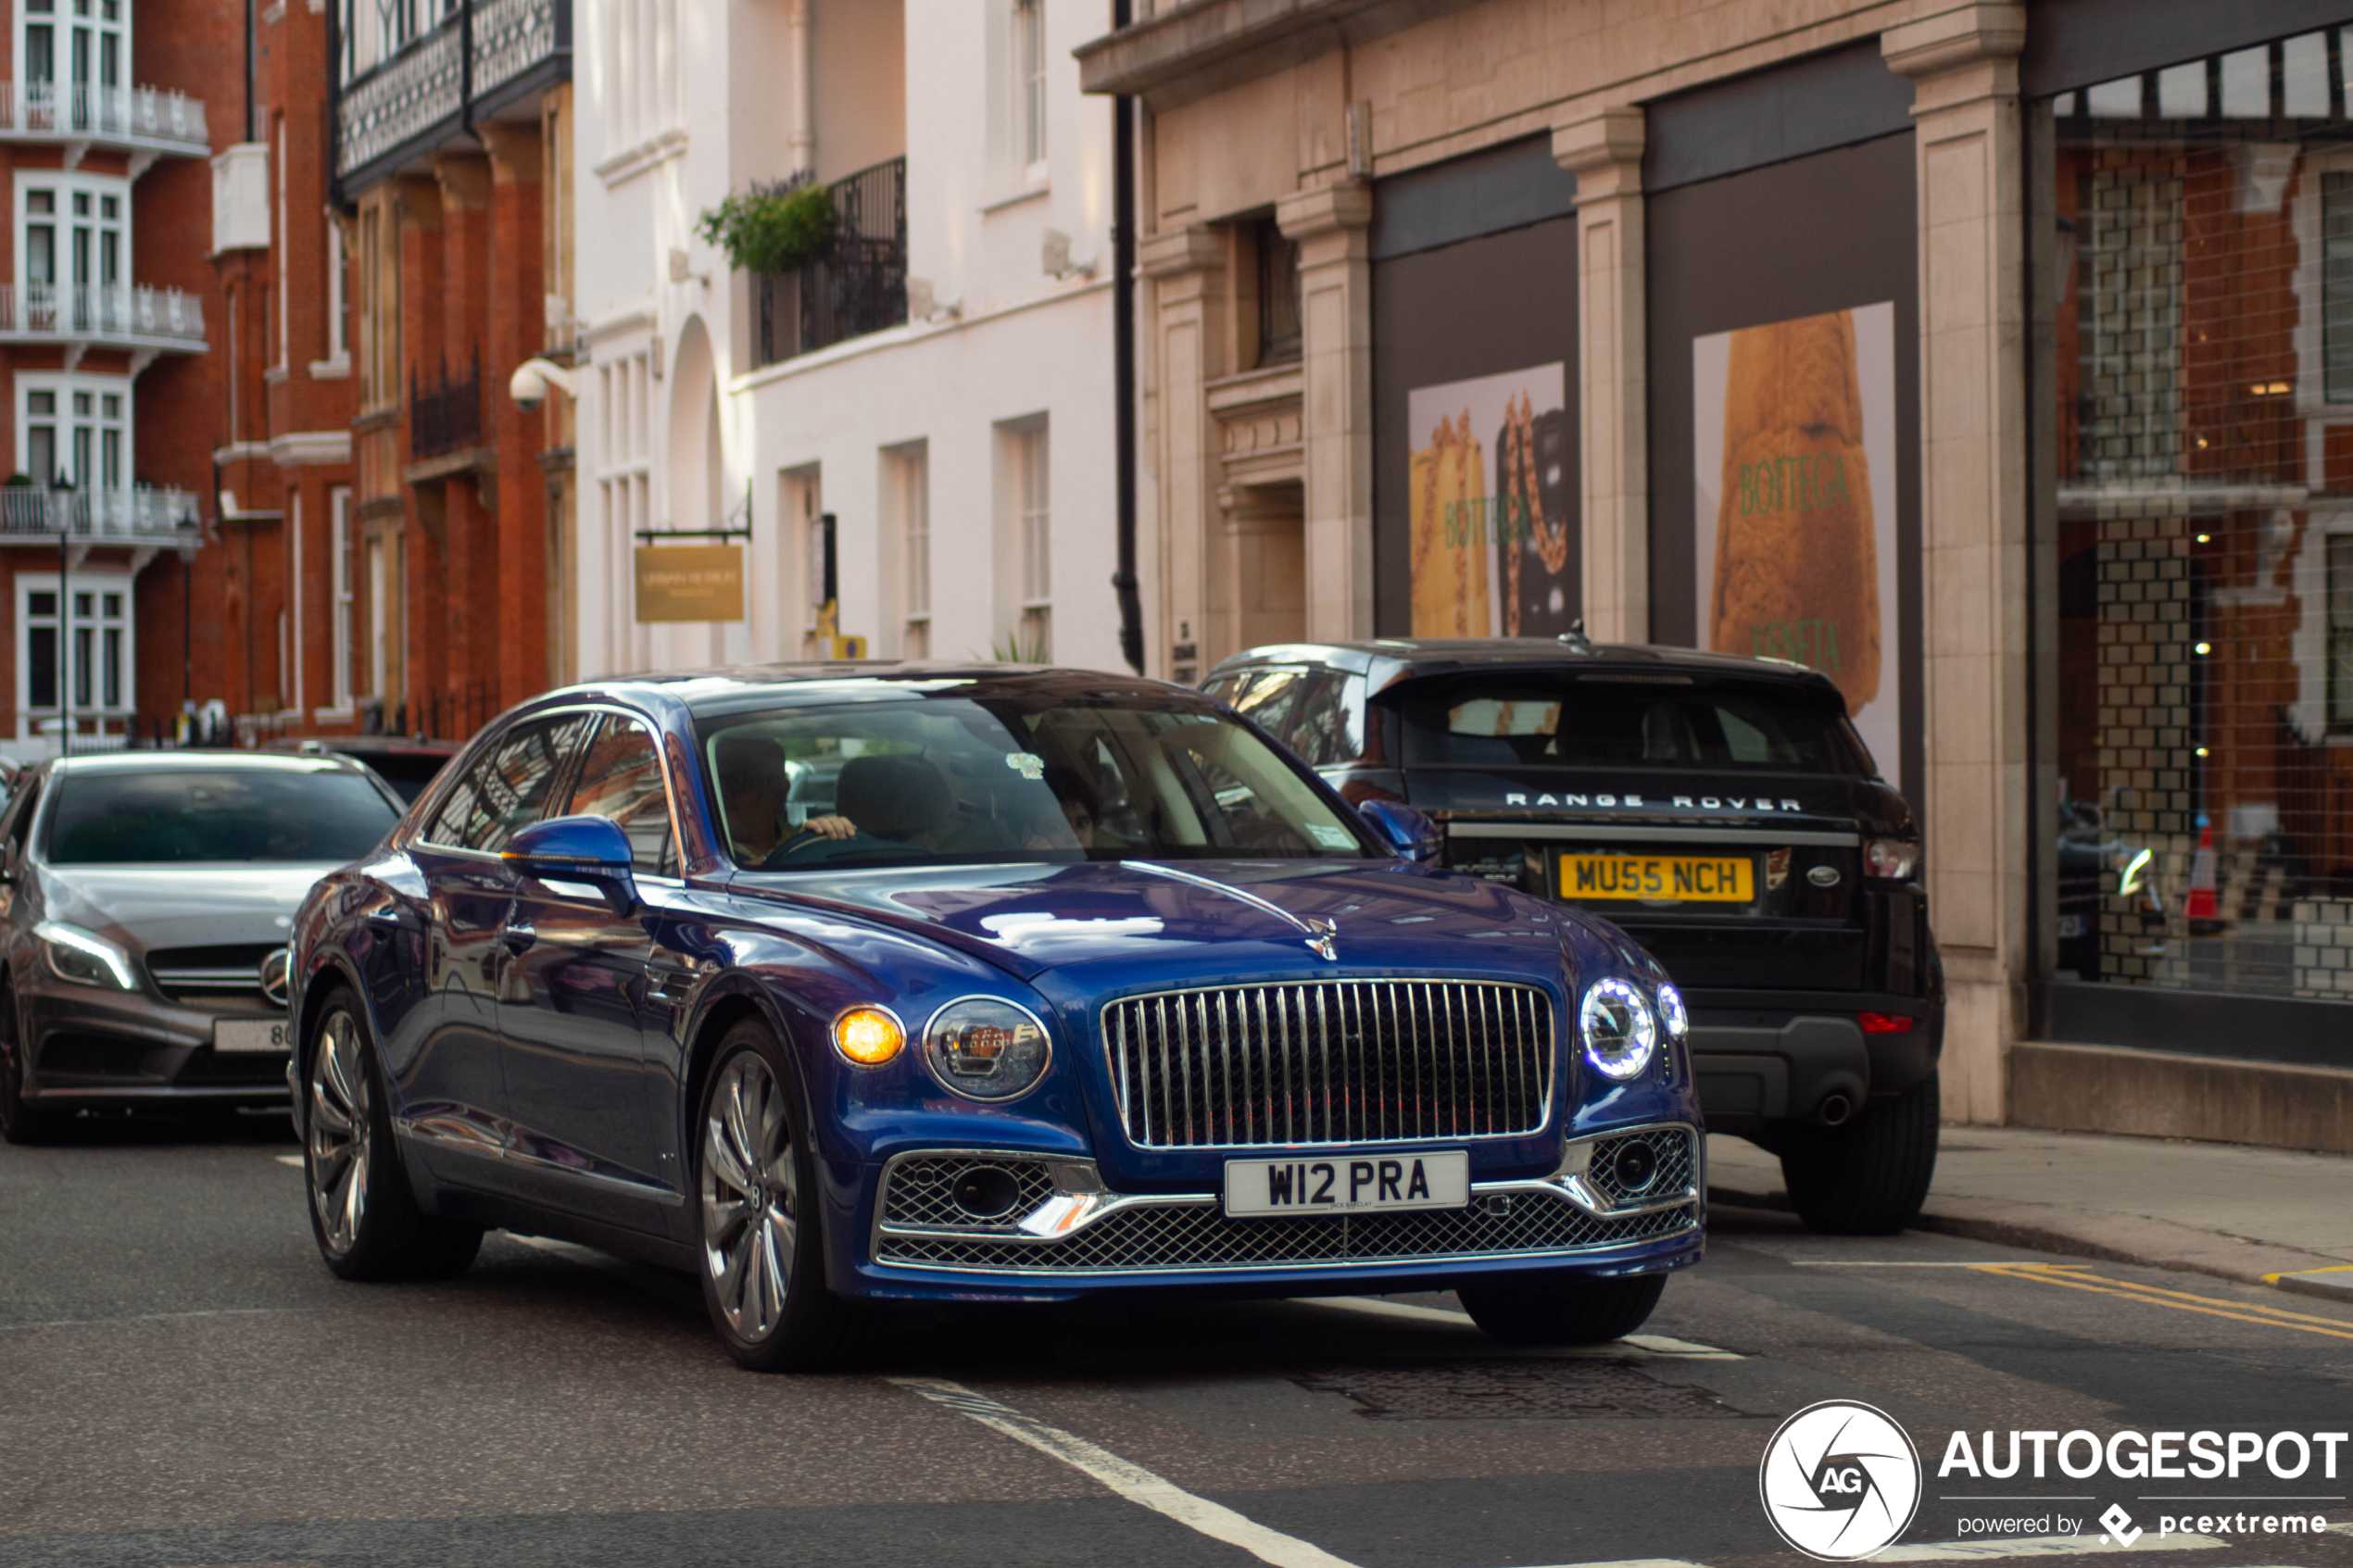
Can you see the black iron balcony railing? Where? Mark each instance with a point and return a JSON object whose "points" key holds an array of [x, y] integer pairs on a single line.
{"points": [[411, 73], [858, 286], [445, 416]]}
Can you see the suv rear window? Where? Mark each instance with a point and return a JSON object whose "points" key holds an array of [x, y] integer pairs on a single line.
{"points": [[1598, 719]]}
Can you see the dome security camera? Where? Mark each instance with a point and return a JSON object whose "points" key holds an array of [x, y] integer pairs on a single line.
{"points": [[528, 386]]}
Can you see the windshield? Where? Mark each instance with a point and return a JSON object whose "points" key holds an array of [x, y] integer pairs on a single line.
{"points": [[109, 818], [946, 779], [1630, 721]]}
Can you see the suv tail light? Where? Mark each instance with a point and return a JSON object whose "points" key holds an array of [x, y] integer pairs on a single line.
{"points": [[1895, 860], [1885, 1022]]}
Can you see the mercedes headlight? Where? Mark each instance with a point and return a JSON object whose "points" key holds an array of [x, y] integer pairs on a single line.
{"points": [[983, 1047], [1621, 1035], [84, 957], [1671, 1012]]}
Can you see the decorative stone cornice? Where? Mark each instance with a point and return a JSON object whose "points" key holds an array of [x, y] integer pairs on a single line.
{"points": [[1326, 210], [1193, 249], [1194, 47], [1604, 149], [1985, 29]]}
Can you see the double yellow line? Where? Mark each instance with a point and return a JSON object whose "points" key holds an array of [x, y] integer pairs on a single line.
{"points": [[2072, 1277]]}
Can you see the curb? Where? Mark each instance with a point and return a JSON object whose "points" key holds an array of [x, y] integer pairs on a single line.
{"points": [[2120, 1239]]}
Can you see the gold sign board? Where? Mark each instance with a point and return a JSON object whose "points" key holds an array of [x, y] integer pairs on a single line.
{"points": [[690, 583]]}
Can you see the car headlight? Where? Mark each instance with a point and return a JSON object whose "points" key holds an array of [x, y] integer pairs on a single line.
{"points": [[984, 1048], [84, 957], [1671, 1013], [1621, 1034]]}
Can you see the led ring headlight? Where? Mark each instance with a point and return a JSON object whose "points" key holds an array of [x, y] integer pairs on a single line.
{"points": [[985, 1048], [1619, 1032], [1671, 1012]]}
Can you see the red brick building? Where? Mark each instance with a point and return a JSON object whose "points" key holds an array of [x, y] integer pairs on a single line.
{"points": [[112, 385]]}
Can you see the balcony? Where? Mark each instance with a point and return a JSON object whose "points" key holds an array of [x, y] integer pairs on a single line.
{"points": [[137, 517], [397, 103], [858, 286], [143, 320], [445, 417], [144, 121]]}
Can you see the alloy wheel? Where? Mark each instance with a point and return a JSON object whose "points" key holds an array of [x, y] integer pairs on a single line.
{"points": [[340, 1133], [749, 1197]]}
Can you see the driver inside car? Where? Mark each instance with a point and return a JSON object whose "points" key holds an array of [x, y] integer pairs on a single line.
{"points": [[878, 800]]}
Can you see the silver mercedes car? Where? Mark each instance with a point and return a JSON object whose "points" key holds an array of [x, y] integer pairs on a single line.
{"points": [[145, 902]]}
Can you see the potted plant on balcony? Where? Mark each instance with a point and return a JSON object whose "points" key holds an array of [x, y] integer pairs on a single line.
{"points": [[779, 227]]}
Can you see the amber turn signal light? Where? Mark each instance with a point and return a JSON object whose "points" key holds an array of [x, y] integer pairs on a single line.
{"points": [[868, 1036]]}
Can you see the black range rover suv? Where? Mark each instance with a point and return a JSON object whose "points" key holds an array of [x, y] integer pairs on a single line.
{"points": [[1724, 813]]}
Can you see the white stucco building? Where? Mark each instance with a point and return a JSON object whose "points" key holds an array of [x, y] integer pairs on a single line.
{"points": [[942, 390]]}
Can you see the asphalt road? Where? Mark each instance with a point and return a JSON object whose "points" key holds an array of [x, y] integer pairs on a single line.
{"points": [[183, 1386]]}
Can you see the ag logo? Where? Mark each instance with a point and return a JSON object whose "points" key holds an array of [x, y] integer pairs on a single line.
{"points": [[1840, 1480]]}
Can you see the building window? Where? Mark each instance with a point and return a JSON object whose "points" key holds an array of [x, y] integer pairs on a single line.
{"points": [[74, 430], [1278, 312], [91, 670], [2336, 285], [1032, 488], [338, 329], [1029, 84], [624, 470], [341, 559], [909, 472]]}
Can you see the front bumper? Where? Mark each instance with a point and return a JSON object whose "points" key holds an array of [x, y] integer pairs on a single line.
{"points": [[1065, 1235], [107, 1049]]}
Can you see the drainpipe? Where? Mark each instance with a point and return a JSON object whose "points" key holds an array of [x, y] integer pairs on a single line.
{"points": [[802, 137], [1123, 360]]}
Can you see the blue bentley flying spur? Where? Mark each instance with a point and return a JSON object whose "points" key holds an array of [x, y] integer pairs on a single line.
{"points": [[834, 983]]}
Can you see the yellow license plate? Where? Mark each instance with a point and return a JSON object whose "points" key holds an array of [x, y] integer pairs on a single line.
{"points": [[1689, 879]]}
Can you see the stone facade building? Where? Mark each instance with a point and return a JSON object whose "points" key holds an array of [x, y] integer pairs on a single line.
{"points": [[2049, 479]]}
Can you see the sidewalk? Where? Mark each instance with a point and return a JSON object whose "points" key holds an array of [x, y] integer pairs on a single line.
{"points": [[2258, 1215]]}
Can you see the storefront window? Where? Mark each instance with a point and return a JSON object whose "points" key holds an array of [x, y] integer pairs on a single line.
{"points": [[2203, 424]]}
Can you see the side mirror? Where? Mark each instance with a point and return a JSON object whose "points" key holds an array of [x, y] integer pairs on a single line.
{"points": [[584, 849], [1404, 829]]}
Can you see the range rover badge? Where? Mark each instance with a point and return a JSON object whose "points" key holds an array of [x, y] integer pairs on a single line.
{"points": [[1823, 876]]}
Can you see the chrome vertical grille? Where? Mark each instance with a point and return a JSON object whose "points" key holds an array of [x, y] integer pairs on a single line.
{"points": [[1330, 1061]]}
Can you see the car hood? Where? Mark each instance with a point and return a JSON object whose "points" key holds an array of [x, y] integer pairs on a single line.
{"points": [[193, 906], [1031, 918]]}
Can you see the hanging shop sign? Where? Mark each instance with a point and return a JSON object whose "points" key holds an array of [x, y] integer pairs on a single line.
{"points": [[1793, 477], [689, 583]]}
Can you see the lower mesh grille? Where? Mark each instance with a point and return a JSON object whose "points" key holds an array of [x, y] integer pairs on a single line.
{"points": [[1672, 1148], [922, 1192], [1197, 1235]]}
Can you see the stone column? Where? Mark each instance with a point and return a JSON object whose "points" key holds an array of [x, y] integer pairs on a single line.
{"points": [[1604, 149], [1187, 270], [1963, 63], [1336, 352]]}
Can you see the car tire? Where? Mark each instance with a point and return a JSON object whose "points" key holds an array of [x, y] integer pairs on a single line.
{"points": [[363, 1213], [1574, 1311], [760, 1231], [1870, 1177], [19, 1122]]}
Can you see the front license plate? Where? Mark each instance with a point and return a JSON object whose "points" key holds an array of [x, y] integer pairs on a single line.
{"points": [[251, 1035], [1690, 879], [1348, 1184]]}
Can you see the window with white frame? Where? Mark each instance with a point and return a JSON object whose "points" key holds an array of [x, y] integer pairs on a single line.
{"points": [[1027, 70], [1032, 489], [911, 504], [73, 64], [85, 660], [74, 430], [341, 561], [641, 41], [338, 328], [74, 233], [375, 31], [624, 482]]}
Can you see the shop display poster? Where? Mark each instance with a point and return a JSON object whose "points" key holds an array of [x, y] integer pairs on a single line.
{"points": [[1794, 458], [1492, 516]]}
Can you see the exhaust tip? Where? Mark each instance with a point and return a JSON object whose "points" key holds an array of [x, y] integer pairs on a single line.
{"points": [[1835, 1110]]}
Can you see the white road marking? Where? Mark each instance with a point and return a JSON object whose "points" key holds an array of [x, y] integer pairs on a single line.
{"points": [[293, 1160], [1640, 1345], [1130, 1480], [1636, 1563], [2039, 1546]]}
